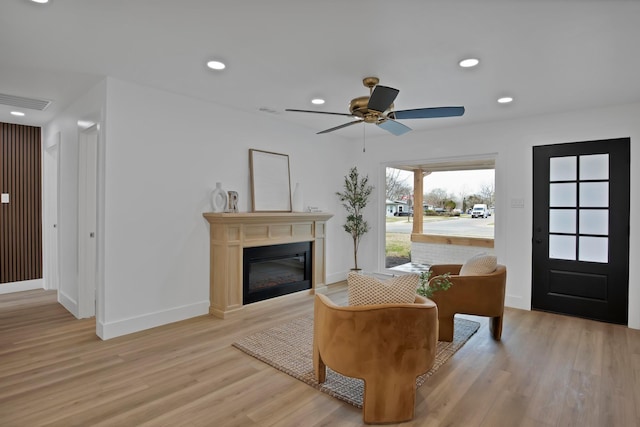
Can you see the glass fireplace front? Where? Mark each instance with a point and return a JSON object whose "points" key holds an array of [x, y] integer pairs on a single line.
{"points": [[271, 271]]}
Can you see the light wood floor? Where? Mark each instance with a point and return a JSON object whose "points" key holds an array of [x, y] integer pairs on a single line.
{"points": [[549, 370]]}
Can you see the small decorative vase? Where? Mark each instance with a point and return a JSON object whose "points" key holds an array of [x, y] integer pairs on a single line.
{"points": [[218, 198], [296, 201], [232, 202]]}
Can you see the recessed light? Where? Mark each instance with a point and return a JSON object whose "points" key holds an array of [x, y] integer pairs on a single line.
{"points": [[216, 65], [317, 101], [85, 124], [469, 62], [40, 1], [17, 113], [505, 100]]}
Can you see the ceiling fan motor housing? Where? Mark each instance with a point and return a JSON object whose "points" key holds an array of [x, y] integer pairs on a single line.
{"points": [[358, 106]]}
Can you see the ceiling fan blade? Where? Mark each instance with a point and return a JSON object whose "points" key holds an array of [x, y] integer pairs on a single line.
{"points": [[427, 113], [382, 98], [340, 127], [394, 127], [319, 112]]}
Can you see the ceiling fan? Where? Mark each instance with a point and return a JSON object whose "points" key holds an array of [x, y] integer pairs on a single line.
{"points": [[378, 108]]}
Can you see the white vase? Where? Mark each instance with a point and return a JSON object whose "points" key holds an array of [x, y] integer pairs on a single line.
{"points": [[219, 198], [297, 204]]}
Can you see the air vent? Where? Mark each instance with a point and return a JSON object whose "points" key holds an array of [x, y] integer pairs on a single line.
{"points": [[22, 102], [268, 110]]}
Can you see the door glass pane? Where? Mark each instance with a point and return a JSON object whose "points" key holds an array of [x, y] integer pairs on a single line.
{"points": [[594, 222], [562, 247], [562, 221], [562, 195], [594, 194], [594, 166], [562, 168], [594, 249]]}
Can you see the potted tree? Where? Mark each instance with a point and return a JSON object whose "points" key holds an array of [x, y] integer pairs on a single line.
{"points": [[354, 198]]}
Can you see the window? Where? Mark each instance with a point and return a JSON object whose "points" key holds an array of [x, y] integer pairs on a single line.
{"points": [[450, 192]]}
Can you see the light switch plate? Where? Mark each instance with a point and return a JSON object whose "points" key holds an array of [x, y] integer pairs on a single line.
{"points": [[517, 203], [5, 197]]}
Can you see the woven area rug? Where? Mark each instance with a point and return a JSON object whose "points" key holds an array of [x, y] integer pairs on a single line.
{"points": [[288, 347]]}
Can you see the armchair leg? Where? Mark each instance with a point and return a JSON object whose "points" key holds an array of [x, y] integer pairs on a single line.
{"points": [[495, 326], [381, 406], [319, 368], [445, 329]]}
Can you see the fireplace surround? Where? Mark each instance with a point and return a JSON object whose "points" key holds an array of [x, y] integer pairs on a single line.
{"points": [[231, 233]]}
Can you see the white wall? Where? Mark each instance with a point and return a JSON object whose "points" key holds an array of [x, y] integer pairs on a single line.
{"points": [[161, 154], [511, 142], [164, 154]]}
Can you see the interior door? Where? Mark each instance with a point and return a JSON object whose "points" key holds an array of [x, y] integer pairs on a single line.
{"points": [[87, 221], [51, 214], [581, 229]]}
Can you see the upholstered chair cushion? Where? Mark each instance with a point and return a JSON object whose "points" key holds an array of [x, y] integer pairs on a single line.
{"points": [[367, 290], [478, 265]]}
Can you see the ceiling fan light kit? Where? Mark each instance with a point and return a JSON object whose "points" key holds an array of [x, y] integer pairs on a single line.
{"points": [[378, 108]]}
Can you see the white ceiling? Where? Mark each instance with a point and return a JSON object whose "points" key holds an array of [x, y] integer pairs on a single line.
{"points": [[551, 56]]}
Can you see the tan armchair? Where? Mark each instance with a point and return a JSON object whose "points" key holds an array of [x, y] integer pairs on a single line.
{"points": [[386, 345], [481, 295]]}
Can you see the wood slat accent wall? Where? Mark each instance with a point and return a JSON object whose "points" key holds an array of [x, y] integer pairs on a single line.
{"points": [[21, 218]]}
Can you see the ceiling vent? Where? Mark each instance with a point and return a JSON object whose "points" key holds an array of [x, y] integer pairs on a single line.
{"points": [[22, 102]]}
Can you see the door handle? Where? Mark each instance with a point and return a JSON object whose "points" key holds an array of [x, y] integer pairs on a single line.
{"points": [[92, 234], [538, 231]]}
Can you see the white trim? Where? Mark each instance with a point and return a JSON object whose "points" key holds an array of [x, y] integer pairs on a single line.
{"points": [[25, 285], [516, 301], [69, 303], [336, 277], [147, 321]]}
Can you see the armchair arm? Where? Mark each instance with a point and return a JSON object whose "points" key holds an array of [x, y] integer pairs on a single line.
{"points": [[438, 269]]}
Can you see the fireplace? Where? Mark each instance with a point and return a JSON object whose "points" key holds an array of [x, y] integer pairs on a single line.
{"points": [[275, 270], [231, 233]]}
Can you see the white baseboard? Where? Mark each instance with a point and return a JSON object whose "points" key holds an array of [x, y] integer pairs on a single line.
{"points": [[69, 303], [108, 330], [336, 277], [25, 285], [516, 302]]}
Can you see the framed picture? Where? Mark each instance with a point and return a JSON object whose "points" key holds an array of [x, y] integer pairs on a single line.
{"points": [[270, 183]]}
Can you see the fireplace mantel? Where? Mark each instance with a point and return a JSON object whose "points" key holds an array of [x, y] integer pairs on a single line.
{"points": [[230, 233]]}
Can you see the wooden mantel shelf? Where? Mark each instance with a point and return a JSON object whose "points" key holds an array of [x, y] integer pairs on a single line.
{"points": [[258, 217], [230, 233]]}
